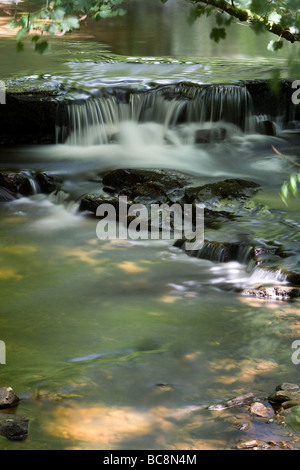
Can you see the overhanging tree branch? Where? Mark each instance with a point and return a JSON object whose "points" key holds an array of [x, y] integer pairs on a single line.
{"points": [[250, 17]]}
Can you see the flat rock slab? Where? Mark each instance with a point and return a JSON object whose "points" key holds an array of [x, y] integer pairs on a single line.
{"points": [[275, 293], [227, 189], [13, 427], [241, 400], [146, 186]]}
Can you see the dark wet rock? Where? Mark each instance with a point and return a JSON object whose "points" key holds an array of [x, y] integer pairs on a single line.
{"points": [[267, 102], [285, 397], [137, 186], [13, 427], [267, 128], [6, 195], [16, 183], [206, 136], [273, 292], [8, 398], [46, 183], [91, 202], [146, 186], [28, 118], [25, 183], [227, 189]]}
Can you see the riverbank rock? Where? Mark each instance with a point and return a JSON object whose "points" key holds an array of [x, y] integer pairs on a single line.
{"points": [[273, 292], [286, 396], [8, 398], [14, 427]]}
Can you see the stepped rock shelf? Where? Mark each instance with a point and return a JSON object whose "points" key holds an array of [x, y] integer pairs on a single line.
{"points": [[231, 110], [39, 117]]}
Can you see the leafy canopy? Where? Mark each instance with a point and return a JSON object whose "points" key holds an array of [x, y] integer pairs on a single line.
{"points": [[58, 17]]}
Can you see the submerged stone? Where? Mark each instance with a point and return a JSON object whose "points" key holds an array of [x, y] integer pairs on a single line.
{"points": [[14, 427], [206, 136], [259, 409], [241, 400]]}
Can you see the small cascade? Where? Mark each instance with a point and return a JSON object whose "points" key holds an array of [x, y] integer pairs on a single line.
{"points": [[213, 252], [34, 185], [97, 121], [225, 252], [266, 276]]}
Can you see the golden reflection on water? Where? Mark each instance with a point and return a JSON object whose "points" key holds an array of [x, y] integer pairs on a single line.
{"points": [[104, 427], [8, 273], [132, 268]]}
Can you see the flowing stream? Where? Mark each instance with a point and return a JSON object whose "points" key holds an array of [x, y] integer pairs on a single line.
{"points": [[123, 344]]}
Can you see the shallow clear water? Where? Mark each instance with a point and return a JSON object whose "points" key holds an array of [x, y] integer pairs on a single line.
{"points": [[120, 344]]}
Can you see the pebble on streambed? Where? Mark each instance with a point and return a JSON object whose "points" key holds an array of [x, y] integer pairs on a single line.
{"points": [[280, 407], [12, 426]]}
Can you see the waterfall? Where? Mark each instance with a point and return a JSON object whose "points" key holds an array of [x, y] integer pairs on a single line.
{"points": [[97, 121], [265, 276]]}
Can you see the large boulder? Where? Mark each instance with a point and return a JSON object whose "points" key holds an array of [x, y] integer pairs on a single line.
{"points": [[146, 186]]}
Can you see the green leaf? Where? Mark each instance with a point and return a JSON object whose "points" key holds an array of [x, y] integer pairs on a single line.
{"points": [[219, 19], [195, 13], [20, 46], [284, 194], [42, 47], [35, 38], [294, 184], [22, 33], [217, 34], [275, 83], [163, 1], [274, 45], [58, 14], [72, 22]]}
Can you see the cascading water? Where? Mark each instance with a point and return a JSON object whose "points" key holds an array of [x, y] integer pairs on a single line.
{"points": [[97, 121]]}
